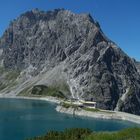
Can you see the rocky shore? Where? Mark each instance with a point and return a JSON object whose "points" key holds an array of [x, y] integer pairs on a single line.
{"points": [[102, 114]]}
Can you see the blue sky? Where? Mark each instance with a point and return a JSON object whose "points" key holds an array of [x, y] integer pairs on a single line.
{"points": [[119, 19]]}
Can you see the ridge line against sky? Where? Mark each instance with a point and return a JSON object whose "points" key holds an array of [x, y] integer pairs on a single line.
{"points": [[119, 19]]}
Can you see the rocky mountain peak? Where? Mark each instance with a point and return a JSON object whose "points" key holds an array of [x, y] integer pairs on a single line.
{"points": [[70, 50], [34, 26]]}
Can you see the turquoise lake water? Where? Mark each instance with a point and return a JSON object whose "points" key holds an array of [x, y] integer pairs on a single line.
{"points": [[21, 119]]}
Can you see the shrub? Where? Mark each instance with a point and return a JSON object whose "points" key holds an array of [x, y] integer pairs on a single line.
{"points": [[87, 134]]}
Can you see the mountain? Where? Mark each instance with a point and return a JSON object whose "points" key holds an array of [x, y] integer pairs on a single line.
{"points": [[66, 54]]}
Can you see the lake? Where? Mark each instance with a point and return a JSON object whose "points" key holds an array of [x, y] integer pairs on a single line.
{"points": [[21, 119]]}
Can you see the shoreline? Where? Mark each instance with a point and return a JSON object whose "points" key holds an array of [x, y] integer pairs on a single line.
{"points": [[47, 99], [102, 114]]}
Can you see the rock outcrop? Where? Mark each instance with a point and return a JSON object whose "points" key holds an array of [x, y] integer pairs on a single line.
{"points": [[137, 64], [71, 51]]}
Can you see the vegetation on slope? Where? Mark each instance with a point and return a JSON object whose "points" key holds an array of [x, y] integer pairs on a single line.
{"points": [[8, 78], [2, 70], [91, 109], [87, 134], [42, 90], [48, 91], [68, 105], [67, 134], [9, 74], [25, 92]]}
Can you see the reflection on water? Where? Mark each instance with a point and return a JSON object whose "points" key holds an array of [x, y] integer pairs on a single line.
{"points": [[21, 118]]}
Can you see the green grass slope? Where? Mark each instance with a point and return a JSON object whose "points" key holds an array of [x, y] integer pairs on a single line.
{"points": [[87, 134]]}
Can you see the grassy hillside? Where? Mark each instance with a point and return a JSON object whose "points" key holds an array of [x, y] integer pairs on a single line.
{"points": [[87, 134], [59, 91]]}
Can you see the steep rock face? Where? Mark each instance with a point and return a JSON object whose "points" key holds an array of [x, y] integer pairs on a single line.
{"points": [[137, 65], [60, 46]]}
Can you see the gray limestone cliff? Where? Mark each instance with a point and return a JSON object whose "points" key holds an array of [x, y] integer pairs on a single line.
{"points": [[70, 52], [137, 64]]}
